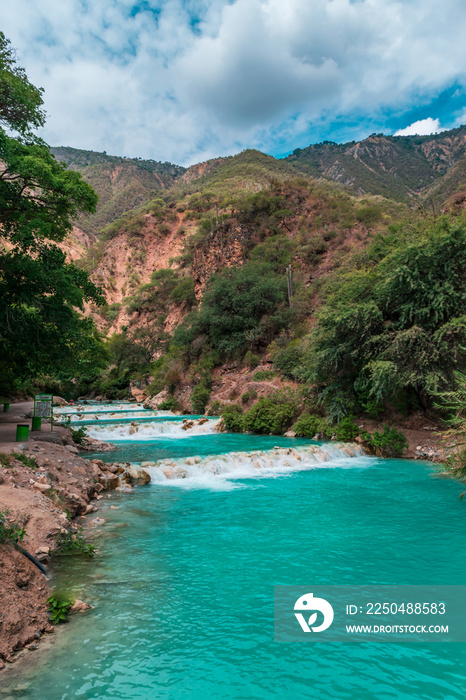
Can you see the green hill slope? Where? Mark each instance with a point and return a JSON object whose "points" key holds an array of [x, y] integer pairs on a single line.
{"points": [[121, 183]]}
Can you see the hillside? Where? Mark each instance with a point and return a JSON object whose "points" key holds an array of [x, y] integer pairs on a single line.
{"points": [[213, 217], [426, 169], [248, 275], [398, 167], [121, 183]]}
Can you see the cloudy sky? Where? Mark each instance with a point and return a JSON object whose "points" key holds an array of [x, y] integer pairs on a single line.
{"points": [[187, 80]]}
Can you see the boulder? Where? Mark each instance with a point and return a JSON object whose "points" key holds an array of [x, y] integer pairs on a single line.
{"points": [[137, 477], [59, 401], [80, 606], [290, 433], [156, 400], [41, 487], [109, 481]]}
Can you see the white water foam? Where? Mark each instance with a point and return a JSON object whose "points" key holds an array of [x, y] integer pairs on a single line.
{"points": [[97, 408], [152, 430], [130, 415], [218, 471]]}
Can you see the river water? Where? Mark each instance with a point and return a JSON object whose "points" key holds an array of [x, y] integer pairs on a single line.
{"points": [[183, 582]]}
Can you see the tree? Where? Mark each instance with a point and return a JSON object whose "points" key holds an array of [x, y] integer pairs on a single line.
{"points": [[392, 328], [20, 101], [243, 306], [41, 294]]}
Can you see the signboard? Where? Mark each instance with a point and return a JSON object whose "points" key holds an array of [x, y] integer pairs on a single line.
{"points": [[43, 405]]}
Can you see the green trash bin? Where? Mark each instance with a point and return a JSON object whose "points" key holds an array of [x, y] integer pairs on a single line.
{"points": [[22, 433], [6, 407], [36, 423]]}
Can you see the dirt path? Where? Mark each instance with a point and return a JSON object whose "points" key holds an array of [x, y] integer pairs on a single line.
{"points": [[17, 415]]}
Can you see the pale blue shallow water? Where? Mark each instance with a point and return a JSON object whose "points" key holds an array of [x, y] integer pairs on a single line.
{"points": [[183, 585]]}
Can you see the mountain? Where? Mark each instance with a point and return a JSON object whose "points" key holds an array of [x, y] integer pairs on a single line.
{"points": [[397, 167], [121, 183], [428, 170], [292, 266]]}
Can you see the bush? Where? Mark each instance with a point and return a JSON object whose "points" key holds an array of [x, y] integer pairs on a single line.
{"points": [[74, 544], [248, 395], [233, 417], [200, 398], [58, 609], [251, 360], [309, 425], [170, 404], [78, 435], [391, 327], [391, 442], [346, 429], [242, 305], [263, 375], [216, 408], [289, 360], [273, 414], [183, 293], [10, 530], [276, 250]]}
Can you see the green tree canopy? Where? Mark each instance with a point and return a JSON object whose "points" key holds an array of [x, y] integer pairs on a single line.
{"points": [[20, 101], [393, 326], [41, 329], [242, 307]]}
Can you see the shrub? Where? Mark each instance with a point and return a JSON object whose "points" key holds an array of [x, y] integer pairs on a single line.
{"points": [[251, 360], [78, 435], [242, 305], [183, 293], [233, 417], [263, 375], [389, 443], [200, 398], [248, 395], [10, 530], [58, 609], [289, 360], [110, 313], [215, 408], [273, 414], [346, 429], [170, 404], [390, 328], [276, 250], [309, 425], [74, 544]]}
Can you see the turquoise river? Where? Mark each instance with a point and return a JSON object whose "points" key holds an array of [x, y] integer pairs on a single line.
{"points": [[182, 586]]}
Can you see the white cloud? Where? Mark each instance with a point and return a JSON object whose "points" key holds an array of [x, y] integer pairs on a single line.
{"points": [[183, 81], [423, 127]]}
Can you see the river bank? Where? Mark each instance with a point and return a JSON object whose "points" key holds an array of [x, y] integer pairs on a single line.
{"points": [[46, 488]]}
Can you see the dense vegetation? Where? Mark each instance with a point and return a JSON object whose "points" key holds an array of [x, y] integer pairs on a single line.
{"points": [[391, 327], [41, 294]]}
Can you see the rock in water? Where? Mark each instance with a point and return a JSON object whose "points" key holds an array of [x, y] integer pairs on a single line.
{"points": [[137, 477]]}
